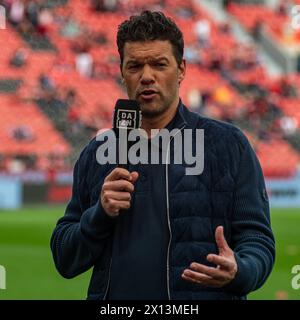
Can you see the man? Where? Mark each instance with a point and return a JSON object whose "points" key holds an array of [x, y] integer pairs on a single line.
{"points": [[153, 232]]}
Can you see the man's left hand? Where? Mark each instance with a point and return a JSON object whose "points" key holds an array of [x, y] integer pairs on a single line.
{"points": [[214, 277]]}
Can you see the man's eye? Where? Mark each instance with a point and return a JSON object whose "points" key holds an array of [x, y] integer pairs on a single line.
{"points": [[134, 66], [160, 64]]}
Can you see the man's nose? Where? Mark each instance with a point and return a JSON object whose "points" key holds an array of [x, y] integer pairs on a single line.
{"points": [[147, 76]]}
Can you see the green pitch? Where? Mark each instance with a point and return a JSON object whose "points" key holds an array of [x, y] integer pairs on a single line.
{"points": [[30, 272]]}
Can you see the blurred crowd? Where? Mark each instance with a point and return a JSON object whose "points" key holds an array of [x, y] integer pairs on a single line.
{"points": [[257, 111]]}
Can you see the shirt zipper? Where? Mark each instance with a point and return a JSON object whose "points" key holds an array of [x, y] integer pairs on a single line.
{"points": [[106, 291], [168, 215]]}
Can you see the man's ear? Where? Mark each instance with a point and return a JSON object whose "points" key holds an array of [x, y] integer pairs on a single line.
{"points": [[181, 71], [121, 71]]}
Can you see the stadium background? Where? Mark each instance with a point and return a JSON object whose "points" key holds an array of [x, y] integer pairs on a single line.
{"points": [[59, 80]]}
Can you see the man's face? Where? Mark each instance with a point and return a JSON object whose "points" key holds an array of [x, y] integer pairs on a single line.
{"points": [[152, 75]]}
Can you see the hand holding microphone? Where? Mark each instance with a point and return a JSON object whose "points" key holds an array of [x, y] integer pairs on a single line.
{"points": [[118, 186], [116, 191]]}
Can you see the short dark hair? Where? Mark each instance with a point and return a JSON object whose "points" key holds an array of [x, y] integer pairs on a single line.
{"points": [[149, 26]]}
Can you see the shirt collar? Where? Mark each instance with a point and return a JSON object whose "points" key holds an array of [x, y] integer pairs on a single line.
{"points": [[178, 120]]}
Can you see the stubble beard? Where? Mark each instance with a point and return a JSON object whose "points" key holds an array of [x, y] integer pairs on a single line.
{"points": [[159, 108]]}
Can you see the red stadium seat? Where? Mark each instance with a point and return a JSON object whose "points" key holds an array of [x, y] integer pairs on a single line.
{"points": [[96, 98]]}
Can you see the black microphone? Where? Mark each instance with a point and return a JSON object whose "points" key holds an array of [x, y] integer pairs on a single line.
{"points": [[127, 117]]}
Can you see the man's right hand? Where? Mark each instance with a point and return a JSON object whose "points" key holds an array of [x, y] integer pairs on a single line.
{"points": [[116, 191]]}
